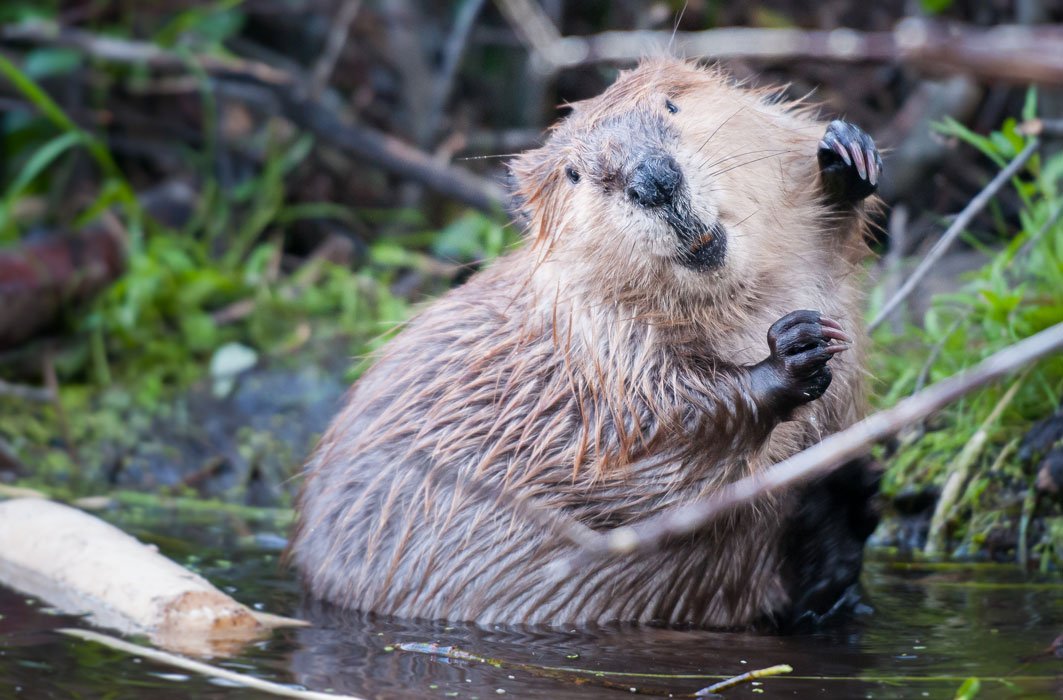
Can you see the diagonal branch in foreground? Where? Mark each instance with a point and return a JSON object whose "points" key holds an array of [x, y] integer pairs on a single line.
{"points": [[818, 459]]}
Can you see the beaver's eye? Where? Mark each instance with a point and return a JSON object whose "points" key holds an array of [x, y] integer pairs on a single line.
{"points": [[670, 106], [573, 175]]}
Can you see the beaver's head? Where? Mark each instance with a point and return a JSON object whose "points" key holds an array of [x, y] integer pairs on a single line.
{"points": [[673, 173]]}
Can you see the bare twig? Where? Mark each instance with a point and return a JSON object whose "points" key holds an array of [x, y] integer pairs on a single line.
{"points": [[453, 52], [753, 675], [1051, 128], [393, 155], [958, 225], [535, 29], [821, 457], [201, 668], [935, 352], [893, 263], [26, 393], [1009, 53], [337, 37]]}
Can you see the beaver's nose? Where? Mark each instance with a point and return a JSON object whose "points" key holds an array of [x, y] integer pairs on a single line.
{"points": [[654, 181]]}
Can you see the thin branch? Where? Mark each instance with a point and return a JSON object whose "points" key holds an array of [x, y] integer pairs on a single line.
{"points": [[127, 51], [747, 677], [958, 226], [821, 457], [24, 392], [337, 37], [1029, 245], [1009, 53], [534, 28], [201, 668], [391, 154], [1051, 128], [453, 52]]}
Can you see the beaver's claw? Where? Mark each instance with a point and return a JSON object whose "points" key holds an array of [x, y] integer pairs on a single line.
{"points": [[849, 163], [796, 371]]}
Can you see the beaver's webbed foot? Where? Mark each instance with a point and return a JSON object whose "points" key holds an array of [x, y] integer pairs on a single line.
{"points": [[796, 371], [849, 164]]}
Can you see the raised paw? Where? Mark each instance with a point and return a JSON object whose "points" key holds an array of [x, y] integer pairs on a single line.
{"points": [[796, 371], [849, 163]]}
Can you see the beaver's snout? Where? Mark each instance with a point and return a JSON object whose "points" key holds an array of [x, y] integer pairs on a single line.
{"points": [[654, 181]]}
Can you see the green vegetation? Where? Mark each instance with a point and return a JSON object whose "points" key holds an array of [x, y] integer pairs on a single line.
{"points": [[221, 277], [225, 278], [1016, 294]]}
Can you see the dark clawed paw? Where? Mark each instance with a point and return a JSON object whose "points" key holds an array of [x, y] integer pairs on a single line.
{"points": [[801, 346], [849, 163]]}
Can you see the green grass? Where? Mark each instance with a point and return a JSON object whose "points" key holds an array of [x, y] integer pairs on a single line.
{"points": [[154, 332], [1016, 294]]}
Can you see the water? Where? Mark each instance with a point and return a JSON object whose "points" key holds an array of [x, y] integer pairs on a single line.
{"points": [[931, 628]]}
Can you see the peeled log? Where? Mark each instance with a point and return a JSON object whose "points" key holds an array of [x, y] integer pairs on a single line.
{"points": [[81, 565]]}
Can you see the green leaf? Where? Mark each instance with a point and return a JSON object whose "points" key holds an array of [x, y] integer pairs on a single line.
{"points": [[213, 23], [969, 689], [1029, 106], [935, 7], [951, 127], [37, 163], [54, 113]]}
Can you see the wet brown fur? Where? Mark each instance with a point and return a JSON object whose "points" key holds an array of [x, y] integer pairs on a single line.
{"points": [[590, 375]]}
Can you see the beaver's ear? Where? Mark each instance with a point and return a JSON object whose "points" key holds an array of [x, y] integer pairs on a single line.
{"points": [[533, 177]]}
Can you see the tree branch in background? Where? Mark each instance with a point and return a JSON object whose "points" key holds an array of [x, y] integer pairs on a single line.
{"points": [[1007, 53], [125, 51], [379, 149], [821, 457], [453, 52]]}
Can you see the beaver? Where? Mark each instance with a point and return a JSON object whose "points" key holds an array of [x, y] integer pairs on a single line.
{"points": [[673, 322]]}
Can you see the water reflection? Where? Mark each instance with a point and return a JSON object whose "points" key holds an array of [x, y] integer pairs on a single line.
{"points": [[930, 629]]}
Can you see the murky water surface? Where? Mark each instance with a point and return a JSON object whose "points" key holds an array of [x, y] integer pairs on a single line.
{"points": [[931, 628]]}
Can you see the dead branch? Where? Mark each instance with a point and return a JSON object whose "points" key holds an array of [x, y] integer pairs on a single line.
{"points": [[240, 679], [126, 51], [334, 42], [818, 459], [453, 52], [379, 149], [958, 225], [1007, 53], [391, 154], [24, 392]]}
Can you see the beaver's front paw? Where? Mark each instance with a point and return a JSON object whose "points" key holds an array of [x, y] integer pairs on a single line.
{"points": [[796, 372], [849, 163]]}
